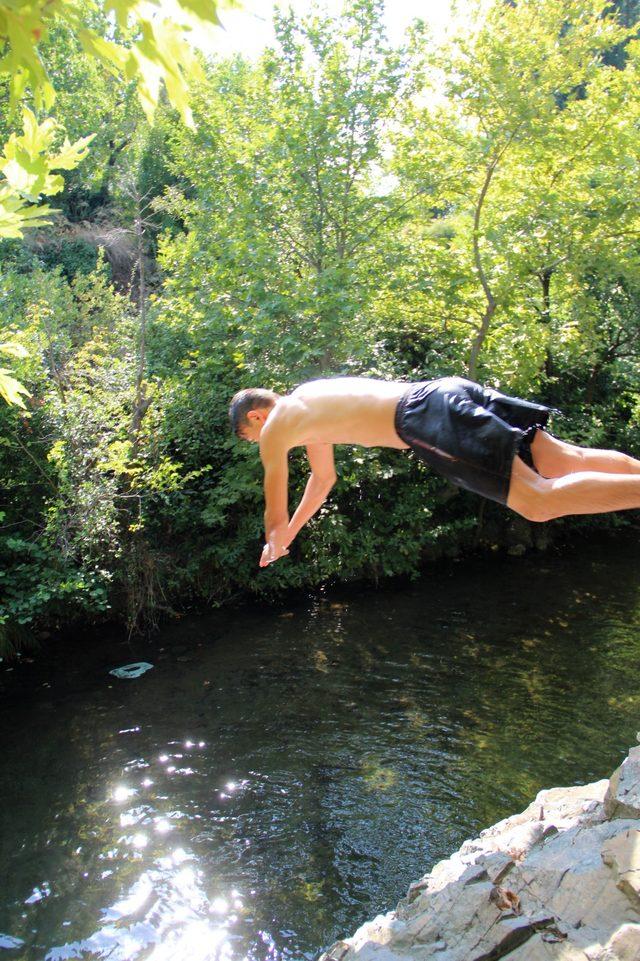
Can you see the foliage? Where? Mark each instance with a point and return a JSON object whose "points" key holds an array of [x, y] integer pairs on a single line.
{"points": [[27, 164], [72, 256], [71, 526], [284, 157], [10, 388], [147, 48], [521, 157]]}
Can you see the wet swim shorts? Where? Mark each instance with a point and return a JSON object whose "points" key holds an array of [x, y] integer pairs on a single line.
{"points": [[469, 433]]}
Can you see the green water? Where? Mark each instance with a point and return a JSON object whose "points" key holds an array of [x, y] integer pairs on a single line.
{"points": [[280, 776]]}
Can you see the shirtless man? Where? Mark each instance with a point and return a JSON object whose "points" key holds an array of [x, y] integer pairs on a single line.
{"points": [[476, 437]]}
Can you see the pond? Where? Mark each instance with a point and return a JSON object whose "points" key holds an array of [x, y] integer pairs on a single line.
{"points": [[282, 774]]}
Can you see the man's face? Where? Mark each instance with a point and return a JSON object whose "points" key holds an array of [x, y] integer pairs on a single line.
{"points": [[251, 432], [253, 426]]}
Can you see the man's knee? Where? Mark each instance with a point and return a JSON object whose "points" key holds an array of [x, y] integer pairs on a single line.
{"points": [[537, 511]]}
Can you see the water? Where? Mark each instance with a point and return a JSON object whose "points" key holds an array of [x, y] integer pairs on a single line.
{"points": [[280, 776]]}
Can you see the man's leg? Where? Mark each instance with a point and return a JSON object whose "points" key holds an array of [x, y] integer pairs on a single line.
{"points": [[555, 458], [581, 492]]}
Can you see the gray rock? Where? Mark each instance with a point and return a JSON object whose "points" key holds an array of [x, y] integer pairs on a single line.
{"points": [[622, 855], [497, 865], [624, 944], [622, 799], [558, 882]]}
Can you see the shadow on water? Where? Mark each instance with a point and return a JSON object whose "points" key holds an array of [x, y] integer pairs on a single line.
{"points": [[281, 776]]}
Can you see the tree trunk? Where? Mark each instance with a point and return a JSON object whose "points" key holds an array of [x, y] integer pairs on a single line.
{"points": [[142, 402], [490, 309], [591, 383], [480, 338], [545, 279], [545, 276]]}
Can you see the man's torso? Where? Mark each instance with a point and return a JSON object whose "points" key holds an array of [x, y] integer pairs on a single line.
{"points": [[339, 410]]}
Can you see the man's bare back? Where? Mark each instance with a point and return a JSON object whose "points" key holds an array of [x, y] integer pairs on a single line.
{"points": [[342, 410]]}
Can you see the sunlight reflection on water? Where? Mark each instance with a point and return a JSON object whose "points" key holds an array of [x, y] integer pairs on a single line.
{"points": [[164, 907], [166, 911]]}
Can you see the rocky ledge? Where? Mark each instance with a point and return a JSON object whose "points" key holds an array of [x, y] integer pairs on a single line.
{"points": [[559, 882]]}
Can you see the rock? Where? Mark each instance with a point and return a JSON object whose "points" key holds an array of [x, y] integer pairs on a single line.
{"points": [[622, 854], [623, 794], [569, 878], [539, 948], [624, 945], [561, 805], [474, 873], [415, 889], [508, 934], [497, 865], [337, 952], [558, 882]]}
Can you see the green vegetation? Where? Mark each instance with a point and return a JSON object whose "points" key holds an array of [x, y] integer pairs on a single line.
{"points": [[126, 39], [339, 206]]}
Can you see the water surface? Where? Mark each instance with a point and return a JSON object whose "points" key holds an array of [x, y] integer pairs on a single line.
{"points": [[282, 775]]}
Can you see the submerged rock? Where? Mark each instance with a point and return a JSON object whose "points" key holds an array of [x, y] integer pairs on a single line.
{"points": [[558, 882]]}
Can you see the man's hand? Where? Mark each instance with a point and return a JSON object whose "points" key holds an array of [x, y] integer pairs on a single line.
{"points": [[271, 551]]}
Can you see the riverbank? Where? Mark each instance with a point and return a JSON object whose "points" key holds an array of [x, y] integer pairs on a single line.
{"points": [[561, 880], [491, 545]]}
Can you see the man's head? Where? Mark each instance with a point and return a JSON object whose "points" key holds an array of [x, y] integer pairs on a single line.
{"points": [[249, 410]]}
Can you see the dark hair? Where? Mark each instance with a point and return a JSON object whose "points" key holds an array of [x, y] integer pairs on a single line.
{"points": [[251, 398]]}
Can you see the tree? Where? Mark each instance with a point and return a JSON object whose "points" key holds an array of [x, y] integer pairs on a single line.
{"points": [[144, 48], [529, 112], [285, 167]]}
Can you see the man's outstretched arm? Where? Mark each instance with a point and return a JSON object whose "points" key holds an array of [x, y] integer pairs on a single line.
{"points": [[322, 479], [276, 513]]}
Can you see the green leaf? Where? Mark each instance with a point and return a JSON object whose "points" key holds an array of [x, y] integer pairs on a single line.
{"points": [[16, 214], [27, 167], [111, 55], [10, 389], [13, 350], [71, 154]]}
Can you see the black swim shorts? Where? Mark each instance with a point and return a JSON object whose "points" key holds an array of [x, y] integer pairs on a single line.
{"points": [[468, 433]]}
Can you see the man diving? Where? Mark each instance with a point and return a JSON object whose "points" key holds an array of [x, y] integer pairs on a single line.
{"points": [[474, 436]]}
